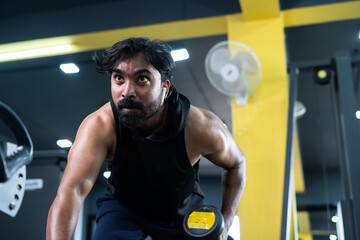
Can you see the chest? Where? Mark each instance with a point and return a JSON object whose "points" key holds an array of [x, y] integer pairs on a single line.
{"points": [[192, 146], [159, 160]]}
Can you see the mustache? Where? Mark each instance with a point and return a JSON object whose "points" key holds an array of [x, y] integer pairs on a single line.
{"points": [[129, 103]]}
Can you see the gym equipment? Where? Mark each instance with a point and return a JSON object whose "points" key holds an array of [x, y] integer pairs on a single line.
{"points": [[16, 150], [233, 69], [322, 75], [16, 147], [203, 223]]}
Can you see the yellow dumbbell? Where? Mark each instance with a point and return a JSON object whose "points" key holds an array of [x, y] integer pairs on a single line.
{"points": [[203, 223]]}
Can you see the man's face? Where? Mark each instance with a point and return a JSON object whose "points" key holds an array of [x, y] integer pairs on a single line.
{"points": [[136, 90]]}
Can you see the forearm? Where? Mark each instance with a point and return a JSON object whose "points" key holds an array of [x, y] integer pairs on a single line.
{"points": [[233, 187], [63, 216]]}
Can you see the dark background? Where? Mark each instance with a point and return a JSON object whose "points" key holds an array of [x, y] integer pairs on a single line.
{"points": [[53, 104]]}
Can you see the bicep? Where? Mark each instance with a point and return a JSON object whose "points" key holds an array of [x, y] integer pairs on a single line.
{"points": [[226, 154], [84, 161], [222, 149]]}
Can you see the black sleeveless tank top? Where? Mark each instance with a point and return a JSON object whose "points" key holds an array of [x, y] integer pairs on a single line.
{"points": [[152, 175]]}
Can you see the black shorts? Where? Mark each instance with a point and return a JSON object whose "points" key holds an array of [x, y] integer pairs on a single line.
{"points": [[114, 221]]}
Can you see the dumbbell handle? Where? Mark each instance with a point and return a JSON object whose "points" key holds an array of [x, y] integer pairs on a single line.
{"points": [[204, 223]]}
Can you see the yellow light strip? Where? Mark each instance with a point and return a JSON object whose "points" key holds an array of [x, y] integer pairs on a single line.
{"points": [[195, 28], [38, 52], [99, 40], [321, 14], [323, 232]]}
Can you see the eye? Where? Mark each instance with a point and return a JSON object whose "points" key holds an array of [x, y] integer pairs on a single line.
{"points": [[118, 78], [143, 79]]}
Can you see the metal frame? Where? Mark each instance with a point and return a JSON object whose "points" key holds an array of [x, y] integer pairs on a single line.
{"points": [[286, 209], [349, 135]]}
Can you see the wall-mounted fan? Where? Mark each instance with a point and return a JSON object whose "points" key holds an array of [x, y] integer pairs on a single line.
{"points": [[233, 69]]}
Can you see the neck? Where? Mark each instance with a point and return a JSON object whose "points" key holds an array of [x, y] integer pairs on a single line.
{"points": [[156, 122]]}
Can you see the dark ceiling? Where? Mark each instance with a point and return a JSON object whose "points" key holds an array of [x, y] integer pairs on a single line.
{"points": [[15, 9], [53, 104], [308, 44]]}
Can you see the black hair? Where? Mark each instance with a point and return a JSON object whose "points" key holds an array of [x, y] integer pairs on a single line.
{"points": [[156, 52]]}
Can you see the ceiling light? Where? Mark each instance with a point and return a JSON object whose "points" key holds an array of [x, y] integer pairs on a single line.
{"points": [[69, 68], [64, 143], [332, 237], [335, 219], [34, 52], [357, 114], [300, 109], [322, 75], [107, 174], [180, 54]]}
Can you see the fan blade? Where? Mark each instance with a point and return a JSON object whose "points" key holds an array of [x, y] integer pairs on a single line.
{"points": [[236, 86], [218, 58], [245, 62]]}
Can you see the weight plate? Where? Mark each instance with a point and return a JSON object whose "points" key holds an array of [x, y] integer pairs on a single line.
{"points": [[203, 223]]}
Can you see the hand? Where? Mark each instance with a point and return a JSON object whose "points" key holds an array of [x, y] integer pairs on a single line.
{"points": [[224, 235]]}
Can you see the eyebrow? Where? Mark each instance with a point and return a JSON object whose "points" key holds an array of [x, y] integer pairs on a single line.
{"points": [[140, 71]]}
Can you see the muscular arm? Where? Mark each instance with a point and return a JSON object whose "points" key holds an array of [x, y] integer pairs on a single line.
{"points": [[84, 162], [219, 147], [227, 155], [233, 187]]}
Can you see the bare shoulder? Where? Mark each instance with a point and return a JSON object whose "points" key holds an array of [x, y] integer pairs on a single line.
{"points": [[201, 121], [204, 132], [100, 121], [207, 136], [97, 129]]}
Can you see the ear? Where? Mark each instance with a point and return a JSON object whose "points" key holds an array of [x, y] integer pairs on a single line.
{"points": [[166, 88]]}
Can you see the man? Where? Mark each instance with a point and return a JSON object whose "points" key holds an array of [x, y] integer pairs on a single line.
{"points": [[153, 139]]}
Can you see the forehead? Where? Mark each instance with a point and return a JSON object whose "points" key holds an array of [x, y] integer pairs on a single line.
{"points": [[134, 63]]}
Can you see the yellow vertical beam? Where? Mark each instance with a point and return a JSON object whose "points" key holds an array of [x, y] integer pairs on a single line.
{"points": [[256, 9], [292, 227], [264, 142], [294, 233], [304, 226], [298, 168]]}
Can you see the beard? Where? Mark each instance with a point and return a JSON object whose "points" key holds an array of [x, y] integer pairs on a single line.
{"points": [[134, 119]]}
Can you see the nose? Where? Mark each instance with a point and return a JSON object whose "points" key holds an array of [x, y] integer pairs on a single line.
{"points": [[128, 90]]}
